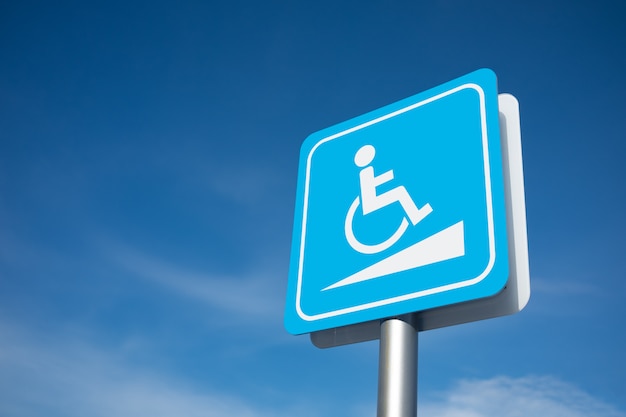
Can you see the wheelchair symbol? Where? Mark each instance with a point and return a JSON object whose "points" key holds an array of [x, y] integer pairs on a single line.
{"points": [[371, 202]]}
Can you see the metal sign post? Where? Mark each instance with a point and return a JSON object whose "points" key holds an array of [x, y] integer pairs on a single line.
{"points": [[397, 367]]}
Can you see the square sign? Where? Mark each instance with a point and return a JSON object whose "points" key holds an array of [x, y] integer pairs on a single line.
{"points": [[401, 210], [515, 295]]}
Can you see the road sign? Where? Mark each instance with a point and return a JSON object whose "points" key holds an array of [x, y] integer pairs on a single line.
{"points": [[515, 295], [401, 210]]}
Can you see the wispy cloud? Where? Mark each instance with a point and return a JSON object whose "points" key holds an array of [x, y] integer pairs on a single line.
{"points": [[65, 376], [69, 378], [569, 288], [244, 184], [254, 297], [516, 397], [566, 297]]}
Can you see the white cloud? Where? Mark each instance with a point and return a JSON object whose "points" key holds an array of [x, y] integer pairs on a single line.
{"points": [[253, 297], [63, 376], [569, 288], [45, 376], [244, 184], [516, 397], [566, 298]]}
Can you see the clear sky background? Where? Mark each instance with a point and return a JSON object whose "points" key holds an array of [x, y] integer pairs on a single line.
{"points": [[148, 160]]}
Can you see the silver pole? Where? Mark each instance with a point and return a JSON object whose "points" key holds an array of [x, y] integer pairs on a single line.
{"points": [[397, 368]]}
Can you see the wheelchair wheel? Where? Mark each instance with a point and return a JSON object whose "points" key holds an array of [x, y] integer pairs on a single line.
{"points": [[370, 249]]}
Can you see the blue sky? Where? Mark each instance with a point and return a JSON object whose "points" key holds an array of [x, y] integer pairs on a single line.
{"points": [[148, 161]]}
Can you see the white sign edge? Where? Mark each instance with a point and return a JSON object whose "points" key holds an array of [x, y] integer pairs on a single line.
{"points": [[418, 294], [514, 297]]}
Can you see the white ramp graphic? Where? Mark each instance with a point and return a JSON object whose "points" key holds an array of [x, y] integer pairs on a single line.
{"points": [[446, 244]]}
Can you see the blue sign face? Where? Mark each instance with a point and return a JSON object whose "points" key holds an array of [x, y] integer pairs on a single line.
{"points": [[400, 210]]}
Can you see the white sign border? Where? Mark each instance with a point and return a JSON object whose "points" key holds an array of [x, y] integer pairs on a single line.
{"points": [[514, 297], [436, 290]]}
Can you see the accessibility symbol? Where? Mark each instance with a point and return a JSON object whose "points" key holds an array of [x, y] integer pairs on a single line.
{"points": [[446, 244], [400, 210], [372, 202]]}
